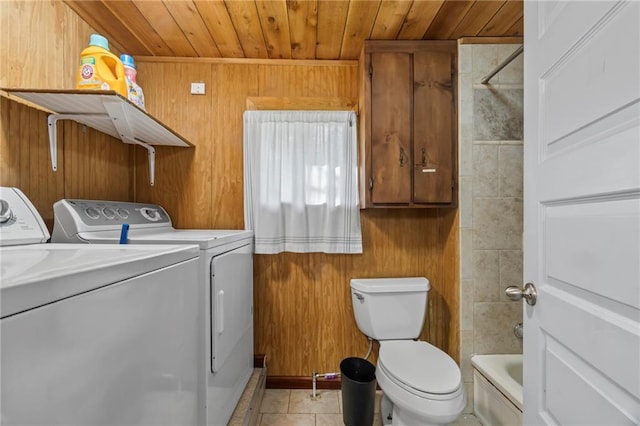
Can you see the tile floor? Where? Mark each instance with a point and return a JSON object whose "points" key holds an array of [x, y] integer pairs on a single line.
{"points": [[284, 407]]}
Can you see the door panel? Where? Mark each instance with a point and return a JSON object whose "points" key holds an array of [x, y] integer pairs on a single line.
{"points": [[391, 93], [599, 398], [582, 213], [433, 126]]}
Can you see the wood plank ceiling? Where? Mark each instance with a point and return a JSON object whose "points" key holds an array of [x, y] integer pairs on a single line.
{"points": [[289, 29]]}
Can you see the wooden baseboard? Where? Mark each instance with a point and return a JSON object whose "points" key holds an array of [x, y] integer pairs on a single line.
{"points": [[300, 382], [259, 360]]}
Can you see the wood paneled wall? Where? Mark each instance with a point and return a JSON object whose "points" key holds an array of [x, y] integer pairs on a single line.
{"points": [[41, 47], [303, 316]]}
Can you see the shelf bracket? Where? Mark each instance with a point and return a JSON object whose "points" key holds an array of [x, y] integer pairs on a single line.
{"points": [[151, 154], [52, 123], [126, 130]]}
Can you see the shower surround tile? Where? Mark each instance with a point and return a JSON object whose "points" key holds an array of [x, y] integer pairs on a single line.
{"points": [[485, 171], [466, 305], [465, 61], [465, 209], [486, 275], [510, 167], [510, 271], [485, 58], [490, 164], [497, 224], [497, 114], [513, 72], [466, 253], [465, 145], [493, 328], [466, 350]]}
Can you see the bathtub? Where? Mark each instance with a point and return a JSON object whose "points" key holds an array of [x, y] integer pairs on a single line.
{"points": [[497, 389]]}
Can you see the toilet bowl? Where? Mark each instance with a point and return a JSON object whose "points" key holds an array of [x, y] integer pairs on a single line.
{"points": [[421, 384]]}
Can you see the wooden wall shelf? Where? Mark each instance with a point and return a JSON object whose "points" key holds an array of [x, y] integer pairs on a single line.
{"points": [[105, 111]]}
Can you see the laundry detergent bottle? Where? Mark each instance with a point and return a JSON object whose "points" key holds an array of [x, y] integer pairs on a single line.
{"points": [[134, 91], [100, 69]]}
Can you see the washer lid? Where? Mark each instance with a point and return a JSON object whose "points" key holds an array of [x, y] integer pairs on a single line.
{"points": [[420, 366], [205, 238], [38, 274]]}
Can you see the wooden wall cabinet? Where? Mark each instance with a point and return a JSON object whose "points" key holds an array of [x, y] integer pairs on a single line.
{"points": [[408, 124]]}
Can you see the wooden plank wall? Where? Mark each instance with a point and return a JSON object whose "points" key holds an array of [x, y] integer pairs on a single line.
{"points": [[304, 320], [40, 48], [303, 316]]}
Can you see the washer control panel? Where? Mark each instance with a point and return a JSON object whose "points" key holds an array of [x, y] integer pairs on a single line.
{"points": [[103, 214]]}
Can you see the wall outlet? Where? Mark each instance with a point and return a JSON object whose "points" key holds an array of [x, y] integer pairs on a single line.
{"points": [[197, 88]]}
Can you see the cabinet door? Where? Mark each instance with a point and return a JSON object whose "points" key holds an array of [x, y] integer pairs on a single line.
{"points": [[391, 161], [433, 126]]}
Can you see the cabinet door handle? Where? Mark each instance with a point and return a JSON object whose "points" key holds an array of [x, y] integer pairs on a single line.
{"points": [[403, 156], [424, 157]]}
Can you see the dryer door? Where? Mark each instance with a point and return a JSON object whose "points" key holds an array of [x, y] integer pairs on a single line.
{"points": [[231, 302]]}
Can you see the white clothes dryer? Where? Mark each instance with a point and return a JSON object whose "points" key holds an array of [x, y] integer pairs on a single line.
{"points": [[93, 334], [226, 287]]}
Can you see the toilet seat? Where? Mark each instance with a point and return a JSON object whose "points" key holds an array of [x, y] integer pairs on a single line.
{"points": [[420, 368]]}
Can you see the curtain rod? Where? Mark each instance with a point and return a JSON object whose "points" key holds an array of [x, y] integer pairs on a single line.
{"points": [[506, 62]]}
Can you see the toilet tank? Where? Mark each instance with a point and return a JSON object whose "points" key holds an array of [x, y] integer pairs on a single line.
{"points": [[390, 308]]}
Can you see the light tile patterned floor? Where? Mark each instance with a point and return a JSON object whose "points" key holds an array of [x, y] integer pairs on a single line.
{"points": [[295, 407]]}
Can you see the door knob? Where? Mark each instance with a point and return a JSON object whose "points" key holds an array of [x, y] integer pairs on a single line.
{"points": [[528, 293]]}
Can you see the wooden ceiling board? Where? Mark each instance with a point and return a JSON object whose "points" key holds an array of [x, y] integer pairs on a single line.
{"points": [[419, 18], [303, 21], [246, 21], [332, 18], [188, 18], [447, 19], [517, 28], [504, 19], [391, 16], [101, 20], [216, 18], [163, 23], [127, 13], [360, 20], [476, 18], [289, 29], [274, 20]]}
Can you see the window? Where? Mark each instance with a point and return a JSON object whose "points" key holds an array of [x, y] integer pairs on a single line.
{"points": [[300, 181]]}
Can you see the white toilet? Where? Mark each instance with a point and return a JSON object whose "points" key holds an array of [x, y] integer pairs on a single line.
{"points": [[421, 384]]}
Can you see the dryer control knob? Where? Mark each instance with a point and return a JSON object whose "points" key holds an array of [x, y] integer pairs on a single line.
{"points": [[5, 212], [150, 214]]}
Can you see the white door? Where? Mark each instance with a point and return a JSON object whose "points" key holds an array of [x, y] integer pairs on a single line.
{"points": [[582, 212]]}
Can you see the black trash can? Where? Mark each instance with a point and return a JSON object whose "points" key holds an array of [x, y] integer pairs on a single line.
{"points": [[358, 391]]}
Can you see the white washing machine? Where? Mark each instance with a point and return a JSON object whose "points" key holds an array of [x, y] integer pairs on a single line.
{"points": [[226, 287], [93, 334]]}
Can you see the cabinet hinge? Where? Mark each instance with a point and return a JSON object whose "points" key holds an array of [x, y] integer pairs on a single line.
{"points": [[370, 184], [370, 71]]}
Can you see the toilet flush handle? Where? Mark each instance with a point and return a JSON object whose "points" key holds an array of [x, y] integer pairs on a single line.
{"points": [[359, 296]]}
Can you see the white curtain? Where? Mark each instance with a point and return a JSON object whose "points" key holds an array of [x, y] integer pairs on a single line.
{"points": [[300, 181]]}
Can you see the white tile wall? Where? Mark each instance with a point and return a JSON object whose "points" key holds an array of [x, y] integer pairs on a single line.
{"points": [[490, 207]]}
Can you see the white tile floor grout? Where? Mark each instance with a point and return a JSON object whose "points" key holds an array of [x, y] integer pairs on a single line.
{"points": [[295, 407]]}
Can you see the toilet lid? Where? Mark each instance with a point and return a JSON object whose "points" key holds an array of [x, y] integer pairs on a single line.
{"points": [[420, 366]]}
